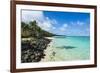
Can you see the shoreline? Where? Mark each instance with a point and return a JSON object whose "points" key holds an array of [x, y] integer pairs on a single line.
{"points": [[33, 50], [45, 51], [49, 52], [50, 38]]}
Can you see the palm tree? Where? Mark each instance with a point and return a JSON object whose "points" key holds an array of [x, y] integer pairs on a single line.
{"points": [[33, 27], [25, 30]]}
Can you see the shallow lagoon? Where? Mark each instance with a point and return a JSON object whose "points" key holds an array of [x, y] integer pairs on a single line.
{"points": [[67, 48]]}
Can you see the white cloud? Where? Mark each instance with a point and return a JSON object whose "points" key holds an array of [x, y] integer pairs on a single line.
{"points": [[45, 25], [65, 25], [64, 28], [80, 23], [54, 21], [28, 15], [54, 28], [45, 22]]}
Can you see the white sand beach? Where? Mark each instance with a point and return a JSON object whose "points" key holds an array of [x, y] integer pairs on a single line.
{"points": [[49, 52], [51, 38]]}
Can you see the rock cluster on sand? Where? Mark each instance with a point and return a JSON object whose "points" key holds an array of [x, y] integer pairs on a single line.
{"points": [[33, 50]]}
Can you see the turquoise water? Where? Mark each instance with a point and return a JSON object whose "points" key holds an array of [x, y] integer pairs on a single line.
{"points": [[71, 48]]}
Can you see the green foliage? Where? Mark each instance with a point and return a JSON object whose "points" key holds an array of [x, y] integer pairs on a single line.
{"points": [[25, 30], [33, 30]]}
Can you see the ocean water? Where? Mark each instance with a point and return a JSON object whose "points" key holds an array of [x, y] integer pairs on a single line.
{"points": [[67, 48]]}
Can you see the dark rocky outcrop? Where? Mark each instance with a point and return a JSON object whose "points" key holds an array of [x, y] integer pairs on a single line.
{"points": [[33, 51]]}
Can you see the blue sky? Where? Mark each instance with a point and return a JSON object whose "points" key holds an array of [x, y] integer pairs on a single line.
{"points": [[61, 23]]}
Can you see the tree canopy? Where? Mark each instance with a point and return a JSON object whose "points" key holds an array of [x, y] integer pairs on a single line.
{"points": [[31, 29]]}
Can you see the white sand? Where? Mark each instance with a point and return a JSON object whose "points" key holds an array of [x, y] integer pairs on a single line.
{"points": [[26, 39], [51, 38], [48, 52]]}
